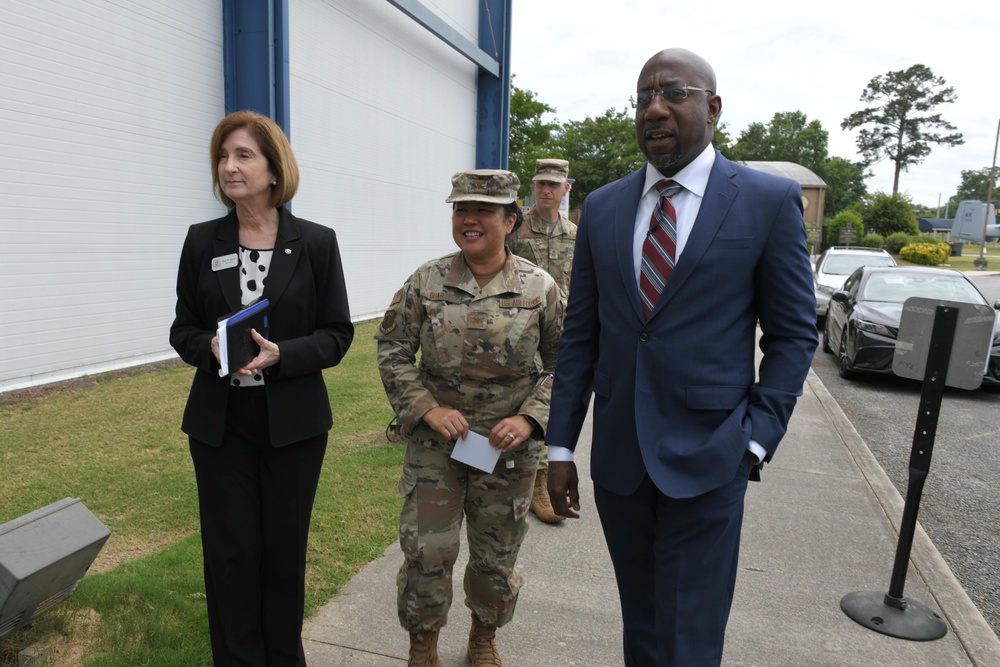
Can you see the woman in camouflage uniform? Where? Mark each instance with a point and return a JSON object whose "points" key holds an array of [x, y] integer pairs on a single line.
{"points": [[478, 318]]}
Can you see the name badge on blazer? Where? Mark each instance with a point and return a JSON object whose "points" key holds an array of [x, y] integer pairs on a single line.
{"points": [[225, 262]]}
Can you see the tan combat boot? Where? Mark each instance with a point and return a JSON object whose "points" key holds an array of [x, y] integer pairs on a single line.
{"points": [[540, 503], [424, 650], [482, 644]]}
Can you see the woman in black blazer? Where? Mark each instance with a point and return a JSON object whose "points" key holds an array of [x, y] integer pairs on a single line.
{"points": [[258, 436]]}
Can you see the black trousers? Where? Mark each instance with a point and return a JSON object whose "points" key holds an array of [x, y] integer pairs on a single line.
{"points": [[255, 503]]}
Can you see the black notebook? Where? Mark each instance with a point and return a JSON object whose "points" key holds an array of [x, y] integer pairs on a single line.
{"points": [[236, 345]]}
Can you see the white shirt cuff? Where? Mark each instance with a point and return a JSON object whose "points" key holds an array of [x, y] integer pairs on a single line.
{"points": [[557, 453], [560, 453]]}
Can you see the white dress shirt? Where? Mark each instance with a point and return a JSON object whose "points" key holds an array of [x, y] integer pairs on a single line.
{"points": [[687, 203]]}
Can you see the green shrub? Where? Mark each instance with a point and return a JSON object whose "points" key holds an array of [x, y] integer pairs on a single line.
{"points": [[872, 241], [930, 253], [895, 241], [840, 221], [885, 214]]}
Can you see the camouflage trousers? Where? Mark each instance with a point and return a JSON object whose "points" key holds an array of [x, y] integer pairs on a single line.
{"points": [[543, 460], [438, 492]]}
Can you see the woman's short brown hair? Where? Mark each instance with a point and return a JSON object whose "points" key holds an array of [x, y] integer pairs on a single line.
{"points": [[273, 144]]}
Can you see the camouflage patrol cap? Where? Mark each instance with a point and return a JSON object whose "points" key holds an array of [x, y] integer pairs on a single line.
{"points": [[495, 186], [552, 170]]}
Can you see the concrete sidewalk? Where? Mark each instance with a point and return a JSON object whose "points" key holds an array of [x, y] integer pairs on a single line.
{"points": [[821, 525]]}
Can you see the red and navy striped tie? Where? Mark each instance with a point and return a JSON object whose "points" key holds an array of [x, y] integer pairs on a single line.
{"points": [[660, 247]]}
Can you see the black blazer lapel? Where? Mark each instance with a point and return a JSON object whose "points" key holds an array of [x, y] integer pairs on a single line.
{"points": [[287, 248], [227, 242]]}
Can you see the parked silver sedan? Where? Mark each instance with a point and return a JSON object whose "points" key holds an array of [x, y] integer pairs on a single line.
{"points": [[835, 264]]}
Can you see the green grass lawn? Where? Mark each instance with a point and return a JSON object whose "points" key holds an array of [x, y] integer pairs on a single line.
{"points": [[965, 260], [114, 441]]}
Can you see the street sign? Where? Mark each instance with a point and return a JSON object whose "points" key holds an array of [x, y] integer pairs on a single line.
{"points": [[970, 349], [848, 235]]}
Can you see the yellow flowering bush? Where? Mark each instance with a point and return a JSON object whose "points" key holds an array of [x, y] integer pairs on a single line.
{"points": [[930, 253]]}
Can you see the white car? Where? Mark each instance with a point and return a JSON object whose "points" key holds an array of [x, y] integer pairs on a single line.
{"points": [[838, 262]]}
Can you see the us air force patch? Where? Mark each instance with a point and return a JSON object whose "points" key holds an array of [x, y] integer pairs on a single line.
{"points": [[388, 322]]}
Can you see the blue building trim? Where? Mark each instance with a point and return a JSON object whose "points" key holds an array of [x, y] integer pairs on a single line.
{"points": [[428, 19], [255, 47], [493, 59], [282, 83], [493, 92], [255, 55]]}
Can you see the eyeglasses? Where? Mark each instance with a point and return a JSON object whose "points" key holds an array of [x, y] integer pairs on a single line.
{"points": [[644, 98]]}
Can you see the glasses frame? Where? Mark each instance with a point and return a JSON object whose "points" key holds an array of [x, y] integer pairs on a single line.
{"points": [[668, 94]]}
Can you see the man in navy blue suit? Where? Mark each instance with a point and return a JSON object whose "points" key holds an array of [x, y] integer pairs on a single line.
{"points": [[682, 417]]}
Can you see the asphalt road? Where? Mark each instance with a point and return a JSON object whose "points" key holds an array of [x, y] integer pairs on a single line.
{"points": [[960, 506]]}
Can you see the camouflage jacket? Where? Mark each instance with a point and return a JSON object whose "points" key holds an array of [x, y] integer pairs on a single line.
{"points": [[477, 346], [549, 249]]}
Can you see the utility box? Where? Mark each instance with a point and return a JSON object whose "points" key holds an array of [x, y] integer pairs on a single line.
{"points": [[43, 556], [969, 218]]}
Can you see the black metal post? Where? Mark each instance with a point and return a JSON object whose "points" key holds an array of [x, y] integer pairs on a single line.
{"points": [[892, 614], [945, 320]]}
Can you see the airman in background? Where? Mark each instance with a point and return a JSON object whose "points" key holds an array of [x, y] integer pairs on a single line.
{"points": [[547, 238]]}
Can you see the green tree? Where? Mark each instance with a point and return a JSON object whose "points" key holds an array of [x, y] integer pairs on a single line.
{"points": [[789, 137], [845, 184], [721, 139], [902, 119], [975, 185], [792, 137], [531, 137], [599, 150], [886, 214]]}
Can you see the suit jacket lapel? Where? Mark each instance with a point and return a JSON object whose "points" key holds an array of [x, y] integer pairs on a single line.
{"points": [[287, 249], [227, 242], [627, 204], [719, 195]]}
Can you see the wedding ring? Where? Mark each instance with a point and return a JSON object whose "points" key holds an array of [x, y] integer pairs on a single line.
{"points": [[511, 436]]}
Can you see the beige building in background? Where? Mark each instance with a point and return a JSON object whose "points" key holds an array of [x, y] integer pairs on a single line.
{"points": [[813, 187]]}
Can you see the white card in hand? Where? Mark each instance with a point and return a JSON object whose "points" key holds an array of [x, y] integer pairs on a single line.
{"points": [[476, 451]]}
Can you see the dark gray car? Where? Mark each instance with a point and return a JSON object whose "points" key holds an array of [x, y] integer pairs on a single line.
{"points": [[863, 318]]}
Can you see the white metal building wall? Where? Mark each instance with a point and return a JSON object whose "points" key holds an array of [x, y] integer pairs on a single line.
{"points": [[106, 110], [382, 114]]}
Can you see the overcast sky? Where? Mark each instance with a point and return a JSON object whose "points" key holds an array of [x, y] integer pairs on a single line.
{"points": [[583, 57]]}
